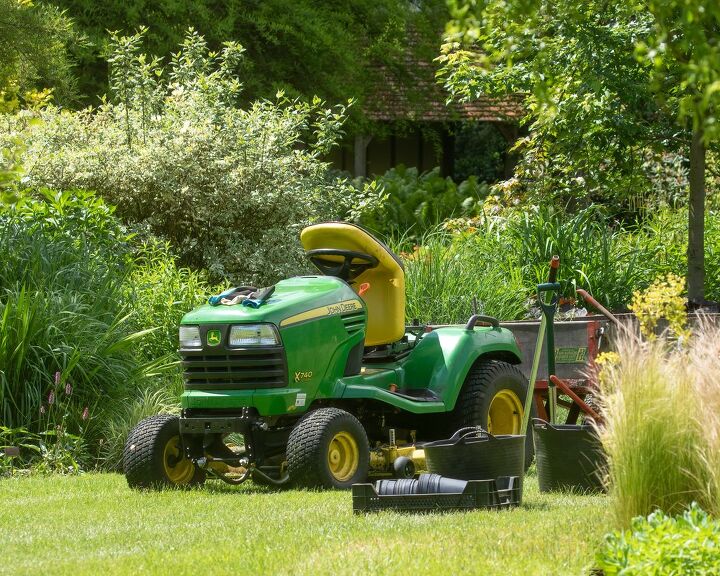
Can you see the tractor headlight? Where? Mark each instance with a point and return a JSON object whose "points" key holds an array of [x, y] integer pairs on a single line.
{"points": [[254, 335], [190, 337]]}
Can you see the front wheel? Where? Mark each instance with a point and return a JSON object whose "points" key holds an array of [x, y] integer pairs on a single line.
{"points": [[153, 456], [492, 396], [328, 448]]}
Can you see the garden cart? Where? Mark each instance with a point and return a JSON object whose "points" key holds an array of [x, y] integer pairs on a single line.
{"points": [[318, 381]]}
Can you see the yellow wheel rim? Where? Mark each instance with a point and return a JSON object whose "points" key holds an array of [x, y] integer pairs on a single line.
{"points": [[506, 413], [178, 469], [343, 456]]}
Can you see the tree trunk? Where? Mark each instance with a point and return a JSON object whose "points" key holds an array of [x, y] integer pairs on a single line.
{"points": [[696, 219]]}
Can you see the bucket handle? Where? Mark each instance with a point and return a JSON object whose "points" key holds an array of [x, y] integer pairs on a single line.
{"points": [[540, 423], [470, 432]]}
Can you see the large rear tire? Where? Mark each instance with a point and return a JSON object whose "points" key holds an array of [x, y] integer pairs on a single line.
{"points": [[328, 448], [153, 455], [492, 396]]}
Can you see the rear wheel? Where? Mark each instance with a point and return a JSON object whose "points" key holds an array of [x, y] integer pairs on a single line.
{"points": [[492, 396], [329, 448], [153, 456]]}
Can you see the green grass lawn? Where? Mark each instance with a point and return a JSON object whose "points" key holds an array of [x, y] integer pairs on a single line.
{"points": [[94, 524]]}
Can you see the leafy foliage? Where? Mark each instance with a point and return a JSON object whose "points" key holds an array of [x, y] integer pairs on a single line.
{"points": [[88, 327], [61, 308], [500, 258], [33, 53], [663, 545], [54, 451], [662, 300], [606, 84], [446, 273], [305, 48], [415, 203], [230, 188]]}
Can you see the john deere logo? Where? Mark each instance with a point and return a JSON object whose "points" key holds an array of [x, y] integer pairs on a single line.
{"points": [[213, 337]]}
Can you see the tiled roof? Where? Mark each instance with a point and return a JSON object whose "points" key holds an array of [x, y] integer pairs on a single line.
{"points": [[391, 99]]}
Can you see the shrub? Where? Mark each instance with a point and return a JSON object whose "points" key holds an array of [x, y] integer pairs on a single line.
{"points": [[160, 293], [415, 203], [61, 306], [88, 328], [229, 187], [662, 545], [660, 400]]}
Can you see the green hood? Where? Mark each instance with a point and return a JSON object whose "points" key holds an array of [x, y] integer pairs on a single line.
{"points": [[291, 301]]}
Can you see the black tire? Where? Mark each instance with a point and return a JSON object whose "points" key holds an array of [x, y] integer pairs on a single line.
{"points": [[487, 379], [309, 449], [144, 457]]}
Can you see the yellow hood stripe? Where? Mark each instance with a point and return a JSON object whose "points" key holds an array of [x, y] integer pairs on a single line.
{"points": [[330, 310]]}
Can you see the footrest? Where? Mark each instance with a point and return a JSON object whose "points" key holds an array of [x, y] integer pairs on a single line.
{"points": [[504, 492]]}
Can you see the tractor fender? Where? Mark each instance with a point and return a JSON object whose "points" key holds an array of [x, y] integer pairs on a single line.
{"points": [[442, 359]]}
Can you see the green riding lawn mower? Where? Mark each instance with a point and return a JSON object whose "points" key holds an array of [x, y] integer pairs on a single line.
{"points": [[317, 381]]}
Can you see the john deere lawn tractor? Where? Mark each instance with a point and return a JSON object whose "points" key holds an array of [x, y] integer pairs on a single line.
{"points": [[317, 381]]}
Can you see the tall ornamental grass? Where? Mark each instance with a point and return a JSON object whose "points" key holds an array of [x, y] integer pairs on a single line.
{"points": [[661, 402], [446, 273], [654, 435]]}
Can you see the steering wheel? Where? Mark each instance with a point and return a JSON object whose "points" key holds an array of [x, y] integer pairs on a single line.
{"points": [[345, 270]]}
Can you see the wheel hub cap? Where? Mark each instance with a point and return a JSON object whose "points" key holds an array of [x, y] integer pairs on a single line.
{"points": [[343, 456], [506, 413], [178, 469]]}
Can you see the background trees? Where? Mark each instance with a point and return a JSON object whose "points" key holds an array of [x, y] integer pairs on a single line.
{"points": [[612, 88], [33, 55], [302, 47]]}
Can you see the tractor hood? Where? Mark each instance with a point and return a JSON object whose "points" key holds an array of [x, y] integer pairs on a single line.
{"points": [[294, 300]]}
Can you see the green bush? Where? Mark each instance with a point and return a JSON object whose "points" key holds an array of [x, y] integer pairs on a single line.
{"points": [[64, 328], [661, 545], [230, 188], [88, 327], [415, 203]]}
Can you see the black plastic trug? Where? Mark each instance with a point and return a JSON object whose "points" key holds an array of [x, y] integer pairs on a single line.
{"points": [[569, 457], [473, 454], [491, 494]]}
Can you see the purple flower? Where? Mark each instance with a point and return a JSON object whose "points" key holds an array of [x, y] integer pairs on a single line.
{"points": [[68, 389], [86, 413], [57, 378], [51, 397]]}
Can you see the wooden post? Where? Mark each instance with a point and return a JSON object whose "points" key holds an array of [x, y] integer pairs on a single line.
{"points": [[360, 153]]}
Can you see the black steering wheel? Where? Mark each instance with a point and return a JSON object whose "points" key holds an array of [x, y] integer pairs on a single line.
{"points": [[345, 270]]}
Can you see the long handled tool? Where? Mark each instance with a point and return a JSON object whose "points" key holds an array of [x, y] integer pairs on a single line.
{"points": [[546, 323]]}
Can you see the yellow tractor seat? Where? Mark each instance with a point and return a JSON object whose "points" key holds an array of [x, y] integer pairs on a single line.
{"points": [[353, 254]]}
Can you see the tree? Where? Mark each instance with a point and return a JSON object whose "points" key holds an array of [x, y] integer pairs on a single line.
{"points": [[608, 83], [33, 52], [302, 47], [685, 51]]}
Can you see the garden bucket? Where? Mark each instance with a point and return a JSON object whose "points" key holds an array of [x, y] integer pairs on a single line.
{"points": [[474, 454], [569, 457]]}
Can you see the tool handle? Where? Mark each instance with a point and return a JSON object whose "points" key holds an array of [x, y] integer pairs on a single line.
{"points": [[579, 401], [599, 307], [554, 265]]}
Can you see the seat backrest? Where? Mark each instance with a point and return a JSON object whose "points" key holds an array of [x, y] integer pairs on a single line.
{"points": [[385, 299]]}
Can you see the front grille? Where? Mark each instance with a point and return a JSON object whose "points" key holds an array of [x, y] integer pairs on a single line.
{"points": [[353, 322], [238, 369]]}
